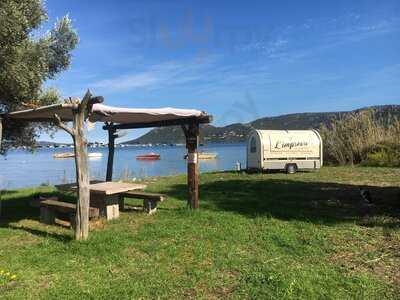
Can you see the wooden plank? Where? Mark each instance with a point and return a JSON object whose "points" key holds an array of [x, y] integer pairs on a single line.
{"points": [[70, 187], [111, 188], [144, 195], [66, 207], [150, 200], [59, 205], [105, 187], [36, 202], [174, 122], [46, 113]]}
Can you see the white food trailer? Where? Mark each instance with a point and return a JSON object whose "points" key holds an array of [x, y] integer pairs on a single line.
{"points": [[288, 150]]}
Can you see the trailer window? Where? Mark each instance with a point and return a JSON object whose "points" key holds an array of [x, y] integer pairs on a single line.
{"points": [[253, 145]]}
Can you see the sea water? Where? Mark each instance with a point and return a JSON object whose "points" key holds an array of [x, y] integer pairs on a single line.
{"points": [[21, 168]]}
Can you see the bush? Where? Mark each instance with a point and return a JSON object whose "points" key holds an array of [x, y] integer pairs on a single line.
{"points": [[383, 155], [362, 137]]}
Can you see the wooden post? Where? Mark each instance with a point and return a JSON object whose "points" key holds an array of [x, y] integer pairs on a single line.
{"points": [[82, 171], [192, 142], [111, 148], [80, 114], [1, 132], [1, 138]]}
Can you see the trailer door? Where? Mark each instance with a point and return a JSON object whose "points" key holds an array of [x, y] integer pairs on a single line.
{"points": [[254, 152]]}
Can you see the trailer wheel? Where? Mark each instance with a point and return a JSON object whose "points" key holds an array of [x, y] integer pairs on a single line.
{"points": [[291, 168]]}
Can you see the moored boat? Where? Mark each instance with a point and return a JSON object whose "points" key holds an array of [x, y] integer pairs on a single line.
{"points": [[205, 155], [95, 155], [148, 156], [64, 155], [72, 154]]}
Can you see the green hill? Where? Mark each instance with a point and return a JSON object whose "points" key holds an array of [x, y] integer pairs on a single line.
{"points": [[238, 132]]}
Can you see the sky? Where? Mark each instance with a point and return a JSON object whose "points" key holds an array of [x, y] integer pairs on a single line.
{"points": [[237, 60]]}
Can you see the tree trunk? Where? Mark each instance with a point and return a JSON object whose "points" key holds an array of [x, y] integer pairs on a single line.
{"points": [[80, 112], [82, 175]]}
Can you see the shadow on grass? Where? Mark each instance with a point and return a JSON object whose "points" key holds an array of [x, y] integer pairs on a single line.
{"points": [[17, 208], [40, 233], [317, 202]]}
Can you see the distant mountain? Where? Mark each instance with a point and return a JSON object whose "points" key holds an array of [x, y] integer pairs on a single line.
{"points": [[238, 132]]}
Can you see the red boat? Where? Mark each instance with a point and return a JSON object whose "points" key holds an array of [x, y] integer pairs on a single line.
{"points": [[149, 156]]}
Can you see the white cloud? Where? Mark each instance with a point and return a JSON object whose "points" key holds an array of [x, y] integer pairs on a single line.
{"points": [[158, 76], [127, 82], [291, 43]]}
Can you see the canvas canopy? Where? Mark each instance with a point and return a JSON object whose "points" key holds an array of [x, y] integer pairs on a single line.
{"points": [[104, 113]]}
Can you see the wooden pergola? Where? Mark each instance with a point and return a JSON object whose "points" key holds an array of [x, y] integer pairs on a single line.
{"points": [[90, 108]]}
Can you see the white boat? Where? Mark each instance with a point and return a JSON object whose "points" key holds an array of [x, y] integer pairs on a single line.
{"points": [[72, 154], [64, 155], [95, 154], [206, 155]]}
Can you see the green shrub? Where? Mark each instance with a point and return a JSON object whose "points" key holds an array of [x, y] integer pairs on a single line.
{"points": [[362, 137], [383, 155]]}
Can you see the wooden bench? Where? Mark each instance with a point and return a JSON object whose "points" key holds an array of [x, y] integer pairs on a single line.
{"points": [[50, 208], [150, 200], [35, 202]]}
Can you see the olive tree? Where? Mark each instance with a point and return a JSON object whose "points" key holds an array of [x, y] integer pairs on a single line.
{"points": [[27, 61]]}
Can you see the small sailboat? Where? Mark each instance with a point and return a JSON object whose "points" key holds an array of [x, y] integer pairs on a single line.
{"points": [[149, 156]]}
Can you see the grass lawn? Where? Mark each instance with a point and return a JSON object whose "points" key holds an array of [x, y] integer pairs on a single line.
{"points": [[255, 236]]}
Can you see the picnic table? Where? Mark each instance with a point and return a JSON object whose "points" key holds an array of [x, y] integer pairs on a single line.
{"points": [[106, 196]]}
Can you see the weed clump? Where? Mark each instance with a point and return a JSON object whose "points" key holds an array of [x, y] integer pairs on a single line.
{"points": [[363, 137]]}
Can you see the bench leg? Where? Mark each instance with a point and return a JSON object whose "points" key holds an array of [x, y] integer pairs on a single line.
{"points": [[112, 211], [47, 215], [72, 221], [121, 203], [149, 206], [108, 205]]}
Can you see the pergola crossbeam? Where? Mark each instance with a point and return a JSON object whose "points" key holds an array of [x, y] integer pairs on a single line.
{"points": [[190, 134], [174, 122]]}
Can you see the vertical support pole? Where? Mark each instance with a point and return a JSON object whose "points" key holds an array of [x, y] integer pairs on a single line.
{"points": [[111, 148], [1, 139], [82, 170], [80, 113], [192, 142], [1, 132]]}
